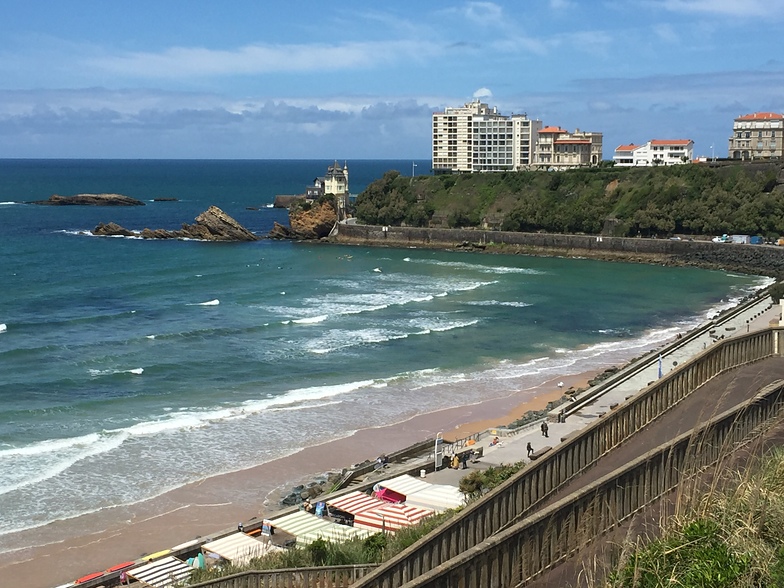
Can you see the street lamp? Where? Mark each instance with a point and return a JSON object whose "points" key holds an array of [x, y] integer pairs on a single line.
{"points": [[713, 157], [439, 437], [413, 165]]}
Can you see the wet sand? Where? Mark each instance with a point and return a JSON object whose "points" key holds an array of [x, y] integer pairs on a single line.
{"points": [[66, 550]]}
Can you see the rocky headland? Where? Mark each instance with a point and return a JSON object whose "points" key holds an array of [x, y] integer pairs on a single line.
{"points": [[211, 225], [90, 200], [315, 221]]}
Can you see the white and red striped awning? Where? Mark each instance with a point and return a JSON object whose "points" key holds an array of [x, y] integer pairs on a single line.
{"points": [[391, 517], [355, 502]]}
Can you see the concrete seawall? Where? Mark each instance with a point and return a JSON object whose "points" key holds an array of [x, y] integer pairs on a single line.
{"points": [[753, 259]]}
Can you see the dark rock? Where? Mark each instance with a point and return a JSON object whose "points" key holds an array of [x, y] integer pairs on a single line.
{"points": [[111, 229], [164, 200], [211, 225], [91, 200]]}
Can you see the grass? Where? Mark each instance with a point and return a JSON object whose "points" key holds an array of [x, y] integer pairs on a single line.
{"points": [[730, 536]]}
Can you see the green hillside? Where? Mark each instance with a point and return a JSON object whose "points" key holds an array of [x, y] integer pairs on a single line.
{"points": [[693, 199]]}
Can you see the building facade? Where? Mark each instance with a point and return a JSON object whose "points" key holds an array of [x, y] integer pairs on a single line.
{"points": [[557, 149], [655, 152], [757, 136], [475, 137]]}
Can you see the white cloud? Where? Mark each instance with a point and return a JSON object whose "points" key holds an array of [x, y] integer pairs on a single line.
{"points": [[484, 13], [773, 9], [190, 62], [483, 93]]}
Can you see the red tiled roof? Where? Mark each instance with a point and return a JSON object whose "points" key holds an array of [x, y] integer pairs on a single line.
{"points": [[670, 141], [552, 130], [761, 116], [629, 147]]}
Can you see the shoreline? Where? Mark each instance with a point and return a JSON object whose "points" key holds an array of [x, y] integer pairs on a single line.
{"points": [[218, 503]]}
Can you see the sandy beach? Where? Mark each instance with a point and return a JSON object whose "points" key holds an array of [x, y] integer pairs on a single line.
{"points": [[66, 550]]}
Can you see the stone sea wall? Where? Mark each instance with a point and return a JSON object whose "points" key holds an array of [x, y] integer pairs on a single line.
{"points": [[752, 259]]}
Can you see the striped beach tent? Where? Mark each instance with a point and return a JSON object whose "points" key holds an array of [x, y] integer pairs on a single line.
{"points": [[391, 517], [161, 573], [238, 548], [307, 528], [404, 484], [355, 502]]}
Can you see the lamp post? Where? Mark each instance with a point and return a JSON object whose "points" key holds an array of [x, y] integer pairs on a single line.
{"points": [[413, 165], [713, 157], [439, 437]]}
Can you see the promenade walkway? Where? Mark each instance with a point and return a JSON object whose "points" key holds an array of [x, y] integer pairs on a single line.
{"points": [[513, 448]]}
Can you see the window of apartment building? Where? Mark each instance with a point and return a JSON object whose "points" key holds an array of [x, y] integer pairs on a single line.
{"points": [[748, 135]]}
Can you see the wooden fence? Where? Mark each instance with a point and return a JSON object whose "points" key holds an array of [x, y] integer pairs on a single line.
{"points": [[327, 577], [525, 550], [514, 499]]}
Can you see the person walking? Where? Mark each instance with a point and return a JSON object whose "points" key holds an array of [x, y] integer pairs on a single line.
{"points": [[545, 429], [529, 448]]}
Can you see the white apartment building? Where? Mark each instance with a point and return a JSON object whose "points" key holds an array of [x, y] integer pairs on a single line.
{"points": [[475, 138], [655, 152], [757, 135]]}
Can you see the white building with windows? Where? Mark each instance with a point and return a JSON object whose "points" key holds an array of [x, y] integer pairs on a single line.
{"points": [[475, 137], [655, 152], [757, 136]]}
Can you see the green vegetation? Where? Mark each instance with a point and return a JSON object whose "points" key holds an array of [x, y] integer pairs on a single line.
{"points": [[733, 537], [479, 482], [663, 200]]}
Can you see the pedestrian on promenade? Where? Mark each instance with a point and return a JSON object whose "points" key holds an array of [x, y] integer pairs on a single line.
{"points": [[529, 448], [544, 429]]}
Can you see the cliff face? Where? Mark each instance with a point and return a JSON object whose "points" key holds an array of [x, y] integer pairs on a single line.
{"points": [[313, 223], [211, 225]]}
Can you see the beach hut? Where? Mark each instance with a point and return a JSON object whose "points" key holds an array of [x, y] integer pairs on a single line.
{"points": [[404, 484], [437, 497], [238, 548], [390, 517], [355, 502], [161, 573], [307, 528]]}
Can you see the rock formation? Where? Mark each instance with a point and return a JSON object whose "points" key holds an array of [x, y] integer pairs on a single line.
{"points": [[211, 225], [91, 200], [314, 222]]}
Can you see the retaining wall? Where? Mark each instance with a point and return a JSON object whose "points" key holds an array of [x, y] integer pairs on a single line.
{"points": [[759, 259]]}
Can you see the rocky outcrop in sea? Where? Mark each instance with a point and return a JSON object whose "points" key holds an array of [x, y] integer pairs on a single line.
{"points": [[90, 200], [315, 222], [211, 225]]}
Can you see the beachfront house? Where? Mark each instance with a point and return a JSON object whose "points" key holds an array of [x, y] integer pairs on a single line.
{"points": [[655, 152]]}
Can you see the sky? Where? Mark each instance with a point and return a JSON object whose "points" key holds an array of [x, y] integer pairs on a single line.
{"points": [[251, 79]]}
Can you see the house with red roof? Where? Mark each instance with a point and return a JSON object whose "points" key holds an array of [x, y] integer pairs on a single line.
{"points": [[759, 135], [557, 149], [655, 152]]}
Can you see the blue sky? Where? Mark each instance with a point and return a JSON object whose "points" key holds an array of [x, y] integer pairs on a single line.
{"points": [[359, 79]]}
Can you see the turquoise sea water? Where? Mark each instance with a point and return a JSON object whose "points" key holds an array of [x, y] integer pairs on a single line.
{"points": [[120, 357]]}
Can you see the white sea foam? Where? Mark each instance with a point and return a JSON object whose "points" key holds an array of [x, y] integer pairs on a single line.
{"points": [[8, 203], [3, 327], [311, 320], [511, 303], [214, 302], [487, 269], [96, 373]]}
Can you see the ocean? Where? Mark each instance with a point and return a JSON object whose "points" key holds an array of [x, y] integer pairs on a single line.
{"points": [[131, 367]]}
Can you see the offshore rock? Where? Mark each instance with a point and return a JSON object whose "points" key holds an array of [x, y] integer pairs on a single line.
{"points": [[307, 223], [211, 225], [90, 200]]}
